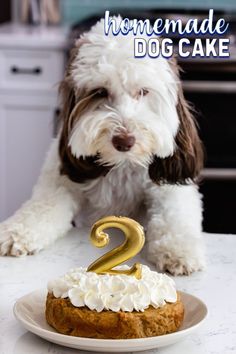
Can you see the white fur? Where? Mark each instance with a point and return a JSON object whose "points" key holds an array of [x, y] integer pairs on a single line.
{"points": [[173, 212]]}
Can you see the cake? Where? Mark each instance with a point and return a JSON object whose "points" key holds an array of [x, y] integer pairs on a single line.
{"points": [[86, 304]]}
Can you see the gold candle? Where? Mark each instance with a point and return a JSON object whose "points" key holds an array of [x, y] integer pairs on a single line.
{"points": [[134, 241]]}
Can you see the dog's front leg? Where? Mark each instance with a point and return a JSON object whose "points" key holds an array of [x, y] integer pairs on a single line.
{"points": [[45, 217], [174, 232]]}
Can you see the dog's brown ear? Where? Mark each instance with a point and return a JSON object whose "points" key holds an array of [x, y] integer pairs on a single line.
{"points": [[185, 164], [79, 169]]}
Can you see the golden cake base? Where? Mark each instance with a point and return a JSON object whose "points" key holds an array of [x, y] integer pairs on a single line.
{"points": [[83, 322]]}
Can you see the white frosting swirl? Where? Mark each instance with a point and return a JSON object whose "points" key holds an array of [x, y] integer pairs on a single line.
{"points": [[114, 292]]}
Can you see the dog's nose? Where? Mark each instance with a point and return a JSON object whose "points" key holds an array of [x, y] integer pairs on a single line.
{"points": [[123, 142]]}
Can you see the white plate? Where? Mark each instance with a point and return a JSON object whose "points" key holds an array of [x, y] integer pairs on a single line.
{"points": [[29, 310]]}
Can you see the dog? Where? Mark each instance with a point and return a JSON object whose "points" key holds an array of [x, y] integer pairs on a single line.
{"points": [[127, 141]]}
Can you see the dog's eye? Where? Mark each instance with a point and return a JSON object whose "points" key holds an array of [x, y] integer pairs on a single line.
{"points": [[101, 92], [143, 92]]}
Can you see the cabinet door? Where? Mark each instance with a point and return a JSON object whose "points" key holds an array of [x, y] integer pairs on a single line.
{"points": [[26, 129]]}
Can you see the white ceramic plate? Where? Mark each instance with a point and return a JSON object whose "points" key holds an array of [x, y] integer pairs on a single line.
{"points": [[29, 310]]}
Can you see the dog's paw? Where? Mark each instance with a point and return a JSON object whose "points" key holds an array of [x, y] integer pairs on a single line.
{"points": [[11, 244], [169, 261], [177, 266]]}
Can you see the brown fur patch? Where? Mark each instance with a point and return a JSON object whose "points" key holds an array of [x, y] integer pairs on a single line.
{"points": [[77, 169], [186, 163]]}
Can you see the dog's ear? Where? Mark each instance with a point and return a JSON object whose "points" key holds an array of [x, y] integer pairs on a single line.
{"points": [[186, 162], [79, 169]]}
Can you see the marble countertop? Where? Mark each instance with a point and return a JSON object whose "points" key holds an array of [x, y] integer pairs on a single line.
{"points": [[216, 287]]}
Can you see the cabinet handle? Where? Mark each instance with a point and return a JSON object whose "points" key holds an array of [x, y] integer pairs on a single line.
{"points": [[219, 174], [32, 71], [209, 86]]}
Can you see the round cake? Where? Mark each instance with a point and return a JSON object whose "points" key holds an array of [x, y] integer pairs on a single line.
{"points": [[86, 304]]}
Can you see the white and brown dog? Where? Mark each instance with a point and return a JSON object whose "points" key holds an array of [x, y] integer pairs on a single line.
{"points": [[127, 139]]}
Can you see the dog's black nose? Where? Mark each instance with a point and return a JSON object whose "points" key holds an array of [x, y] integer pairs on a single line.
{"points": [[123, 142]]}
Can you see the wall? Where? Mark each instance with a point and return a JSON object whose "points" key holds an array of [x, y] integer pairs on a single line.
{"points": [[75, 10]]}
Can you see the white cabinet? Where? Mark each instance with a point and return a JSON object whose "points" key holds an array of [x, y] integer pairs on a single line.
{"points": [[30, 69], [29, 75]]}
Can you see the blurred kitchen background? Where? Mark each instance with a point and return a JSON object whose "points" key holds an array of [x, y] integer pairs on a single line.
{"points": [[35, 37]]}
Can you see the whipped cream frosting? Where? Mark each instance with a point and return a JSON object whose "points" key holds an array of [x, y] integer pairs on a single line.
{"points": [[114, 292]]}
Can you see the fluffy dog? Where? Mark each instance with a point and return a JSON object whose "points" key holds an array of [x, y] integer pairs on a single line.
{"points": [[127, 139]]}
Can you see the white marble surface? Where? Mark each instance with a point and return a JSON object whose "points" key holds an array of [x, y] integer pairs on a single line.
{"points": [[216, 287]]}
